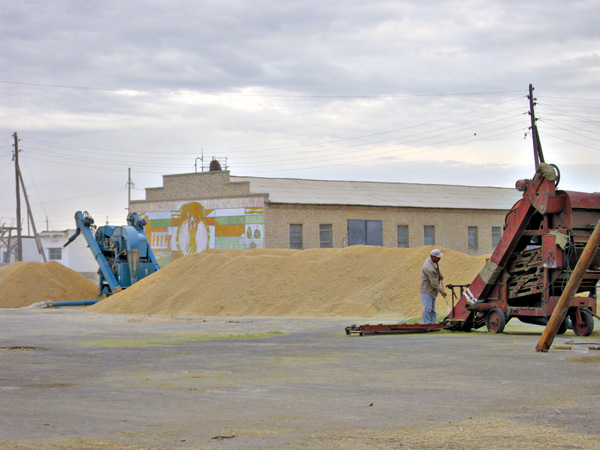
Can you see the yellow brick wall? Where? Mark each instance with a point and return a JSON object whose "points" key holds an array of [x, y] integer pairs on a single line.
{"points": [[450, 224], [191, 186]]}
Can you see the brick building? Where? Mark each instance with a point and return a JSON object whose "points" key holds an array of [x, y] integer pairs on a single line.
{"points": [[195, 211]]}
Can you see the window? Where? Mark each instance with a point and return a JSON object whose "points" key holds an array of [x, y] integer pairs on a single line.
{"points": [[429, 235], [473, 238], [325, 235], [295, 236], [403, 236], [54, 254], [496, 235], [365, 232]]}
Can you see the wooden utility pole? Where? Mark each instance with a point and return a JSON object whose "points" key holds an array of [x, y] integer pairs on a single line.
{"points": [[38, 241], [129, 184], [538, 156], [19, 249], [560, 311]]}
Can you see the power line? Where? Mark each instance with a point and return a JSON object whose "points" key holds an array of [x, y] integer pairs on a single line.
{"points": [[572, 142], [412, 140], [411, 145], [560, 111], [239, 94], [385, 132], [571, 128], [573, 98], [145, 153], [370, 159]]}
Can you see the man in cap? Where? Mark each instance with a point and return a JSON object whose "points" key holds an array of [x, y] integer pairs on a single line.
{"points": [[431, 284]]}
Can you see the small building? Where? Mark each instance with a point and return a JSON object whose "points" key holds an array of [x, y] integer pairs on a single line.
{"points": [[8, 248], [77, 256], [195, 211]]}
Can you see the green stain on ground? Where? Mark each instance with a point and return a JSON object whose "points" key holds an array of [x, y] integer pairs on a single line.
{"points": [[180, 339]]}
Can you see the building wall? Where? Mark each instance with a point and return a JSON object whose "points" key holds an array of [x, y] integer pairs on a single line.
{"points": [[196, 211], [192, 186], [76, 255], [450, 225], [178, 228], [256, 222], [30, 251]]}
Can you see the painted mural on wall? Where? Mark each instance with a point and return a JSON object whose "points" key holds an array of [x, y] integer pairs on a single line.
{"points": [[175, 229]]}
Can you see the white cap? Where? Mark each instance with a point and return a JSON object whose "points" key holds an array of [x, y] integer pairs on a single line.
{"points": [[436, 253]]}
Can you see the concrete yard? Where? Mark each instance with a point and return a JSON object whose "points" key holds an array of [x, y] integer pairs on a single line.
{"points": [[70, 379]]}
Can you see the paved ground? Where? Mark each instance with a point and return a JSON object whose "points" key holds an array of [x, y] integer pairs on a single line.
{"points": [[70, 379]]}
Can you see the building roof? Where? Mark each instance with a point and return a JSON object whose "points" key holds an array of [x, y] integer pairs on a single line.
{"points": [[323, 192]]}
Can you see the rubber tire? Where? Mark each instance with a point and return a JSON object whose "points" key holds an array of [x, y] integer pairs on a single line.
{"points": [[562, 329], [588, 323], [495, 321]]}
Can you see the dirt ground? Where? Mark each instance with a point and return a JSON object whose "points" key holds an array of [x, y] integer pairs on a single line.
{"points": [[72, 379]]}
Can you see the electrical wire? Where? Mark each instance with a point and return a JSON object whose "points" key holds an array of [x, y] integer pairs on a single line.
{"points": [[33, 183], [565, 113], [570, 131], [144, 154], [239, 94], [571, 142], [94, 158], [358, 156], [328, 156], [562, 125]]}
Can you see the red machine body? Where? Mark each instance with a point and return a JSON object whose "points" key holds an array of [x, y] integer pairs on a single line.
{"points": [[544, 235]]}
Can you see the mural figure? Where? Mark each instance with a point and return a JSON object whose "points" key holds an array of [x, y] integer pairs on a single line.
{"points": [[192, 233], [192, 227]]}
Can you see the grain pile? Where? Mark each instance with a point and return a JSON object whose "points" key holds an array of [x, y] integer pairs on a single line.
{"points": [[356, 281], [25, 283]]}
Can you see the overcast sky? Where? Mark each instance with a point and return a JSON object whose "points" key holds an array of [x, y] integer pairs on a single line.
{"points": [[401, 91]]}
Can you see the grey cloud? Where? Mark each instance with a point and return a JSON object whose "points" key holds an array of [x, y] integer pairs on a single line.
{"points": [[277, 75]]}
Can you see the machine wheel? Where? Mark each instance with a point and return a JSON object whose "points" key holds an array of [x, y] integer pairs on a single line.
{"points": [[564, 326], [466, 327], [495, 321], [585, 326]]}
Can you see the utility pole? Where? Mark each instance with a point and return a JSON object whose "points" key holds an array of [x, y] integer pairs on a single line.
{"points": [[538, 156], [19, 249], [129, 191], [38, 241]]}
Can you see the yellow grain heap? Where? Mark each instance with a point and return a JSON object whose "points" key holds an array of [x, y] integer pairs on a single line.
{"points": [[356, 281], [25, 283]]}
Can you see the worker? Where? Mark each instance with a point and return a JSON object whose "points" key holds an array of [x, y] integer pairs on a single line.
{"points": [[431, 284]]}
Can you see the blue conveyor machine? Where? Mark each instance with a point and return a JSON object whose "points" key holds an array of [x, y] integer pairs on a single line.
{"points": [[122, 252]]}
